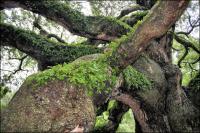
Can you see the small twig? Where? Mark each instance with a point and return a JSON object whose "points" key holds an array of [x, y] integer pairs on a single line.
{"points": [[45, 33], [19, 66]]}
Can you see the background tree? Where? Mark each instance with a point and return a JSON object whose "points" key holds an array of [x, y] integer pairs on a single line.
{"points": [[150, 86]]}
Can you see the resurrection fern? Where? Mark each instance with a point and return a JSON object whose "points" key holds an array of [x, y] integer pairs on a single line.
{"points": [[93, 75], [135, 79]]}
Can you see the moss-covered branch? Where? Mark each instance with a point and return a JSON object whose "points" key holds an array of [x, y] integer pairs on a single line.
{"points": [[42, 49], [98, 27], [162, 16]]}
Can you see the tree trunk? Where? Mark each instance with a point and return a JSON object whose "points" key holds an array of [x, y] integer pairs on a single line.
{"points": [[163, 108]]}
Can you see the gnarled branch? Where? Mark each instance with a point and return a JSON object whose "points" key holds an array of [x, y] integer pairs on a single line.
{"points": [[40, 48], [162, 16], [94, 27], [186, 43]]}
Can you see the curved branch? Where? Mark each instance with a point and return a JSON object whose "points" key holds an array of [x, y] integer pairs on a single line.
{"points": [[19, 68], [162, 16], [183, 57], [136, 108], [40, 48], [193, 25], [130, 9], [185, 43], [134, 18], [99, 27], [56, 37], [196, 61], [127, 99]]}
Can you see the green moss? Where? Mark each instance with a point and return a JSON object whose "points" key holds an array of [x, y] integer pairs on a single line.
{"points": [[3, 90], [135, 79], [137, 15], [54, 51], [119, 22], [101, 121], [112, 104], [127, 123], [110, 54], [93, 75]]}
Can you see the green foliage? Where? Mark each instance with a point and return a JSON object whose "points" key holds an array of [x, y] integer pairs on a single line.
{"points": [[101, 121], [135, 79], [123, 40], [137, 15], [127, 123], [5, 96], [3, 90], [189, 70], [112, 105], [47, 47], [94, 75], [111, 55]]}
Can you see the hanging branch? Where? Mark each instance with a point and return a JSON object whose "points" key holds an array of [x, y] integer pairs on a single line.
{"points": [[44, 32]]}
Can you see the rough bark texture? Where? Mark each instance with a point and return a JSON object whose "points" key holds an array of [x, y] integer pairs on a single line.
{"points": [[163, 108], [182, 115], [194, 91], [55, 107], [163, 15]]}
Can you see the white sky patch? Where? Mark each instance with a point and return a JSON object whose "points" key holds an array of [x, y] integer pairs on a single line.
{"points": [[86, 8]]}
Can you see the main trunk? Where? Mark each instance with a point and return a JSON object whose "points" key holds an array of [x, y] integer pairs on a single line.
{"points": [[163, 108]]}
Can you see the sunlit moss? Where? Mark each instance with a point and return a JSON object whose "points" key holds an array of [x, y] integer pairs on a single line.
{"points": [[127, 123], [111, 54], [137, 15], [135, 80], [101, 121], [93, 75], [112, 104]]}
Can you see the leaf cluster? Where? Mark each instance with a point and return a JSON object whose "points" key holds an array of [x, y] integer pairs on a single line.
{"points": [[135, 79]]}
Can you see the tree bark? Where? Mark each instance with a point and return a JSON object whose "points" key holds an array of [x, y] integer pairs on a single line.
{"points": [[166, 107], [46, 52], [163, 15], [94, 27]]}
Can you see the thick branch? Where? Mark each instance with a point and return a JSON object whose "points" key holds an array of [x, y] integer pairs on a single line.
{"points": [[137, 111], [40, 48], [131, 9], [162, 16], [98, 27], [134, 18]]}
